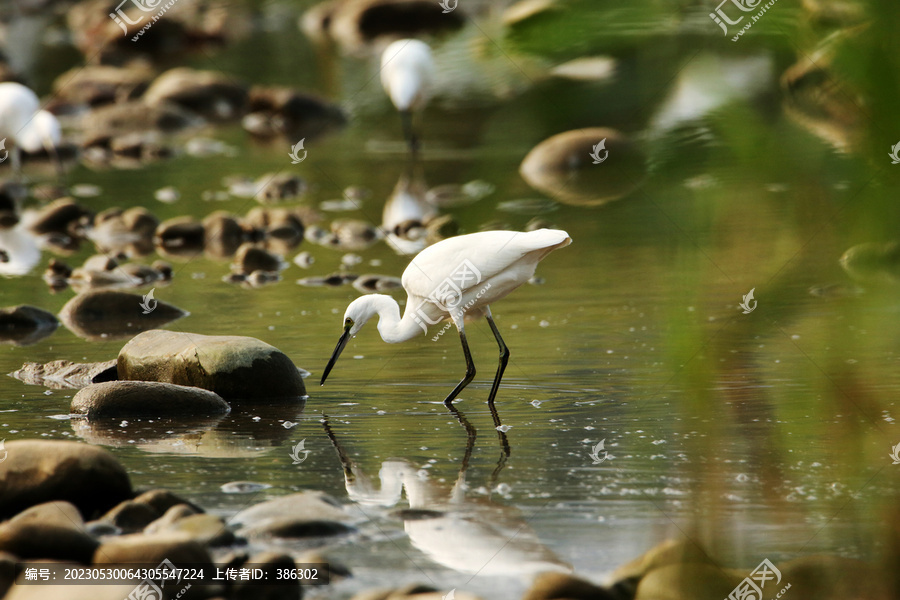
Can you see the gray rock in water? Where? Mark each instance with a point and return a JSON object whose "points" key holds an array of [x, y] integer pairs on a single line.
{"points": [[152, 399], [64, 374], [304, 514], [235, 367], [224, 234], [37, 471], [181, 236], [249, 258], [26, 325], [279, 187], [214, 95], [110, 314]]}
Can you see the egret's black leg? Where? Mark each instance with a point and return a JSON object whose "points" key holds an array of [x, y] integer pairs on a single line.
{"points": [[470, 367], [409, 132], [504, 359]]}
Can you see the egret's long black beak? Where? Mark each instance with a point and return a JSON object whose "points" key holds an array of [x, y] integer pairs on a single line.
{"points": [[342, 343]]}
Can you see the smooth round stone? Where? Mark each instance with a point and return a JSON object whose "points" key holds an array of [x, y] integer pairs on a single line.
{"points": [[562, 166], [235, 367], [133, 399], [37, 471], [112, 314]]}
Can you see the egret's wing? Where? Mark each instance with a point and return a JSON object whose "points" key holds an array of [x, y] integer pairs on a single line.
{"points": [[490, 252]]}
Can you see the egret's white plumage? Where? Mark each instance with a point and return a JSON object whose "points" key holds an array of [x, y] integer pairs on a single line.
{"points": [[407, 71], [457, 277], [42, 133], [23, 124]]}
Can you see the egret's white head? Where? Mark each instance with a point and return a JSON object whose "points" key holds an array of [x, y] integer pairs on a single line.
{"points": [[357, 314], [41, 132]]}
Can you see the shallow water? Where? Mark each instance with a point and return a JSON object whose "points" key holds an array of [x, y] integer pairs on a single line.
{"points": [[757, 435]]}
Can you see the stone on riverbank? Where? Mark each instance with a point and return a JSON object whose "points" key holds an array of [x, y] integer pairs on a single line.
{"points": [[132, 399], [37, 471], [53, 530], [64, 374], [235, 367]]}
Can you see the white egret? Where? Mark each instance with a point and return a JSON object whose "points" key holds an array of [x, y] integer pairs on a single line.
{"points": [[457, 277], [406, 75], [23, 123]]}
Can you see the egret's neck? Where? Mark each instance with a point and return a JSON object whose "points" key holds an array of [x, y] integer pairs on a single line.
{"points": [[392, 328]]}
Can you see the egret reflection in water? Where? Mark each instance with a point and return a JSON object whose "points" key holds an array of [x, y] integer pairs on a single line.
{"points": [[469, 535]]}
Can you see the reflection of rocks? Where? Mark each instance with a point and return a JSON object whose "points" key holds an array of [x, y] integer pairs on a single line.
{"points": [[250, 258], [818, 99], [304, 514], [96, 85], [181, 236], [376, 283], [873, 263], [350, 234], [60, 222], [64, 374], [110, 314], [136, 116], [132, 399], [11, 195], [223, 234], [188, 436], [26, 325], [278, 187], [214, 95], [126, 232], [356, 23], [562, 167], [232, 366], [41, 471], [296, 115]]}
